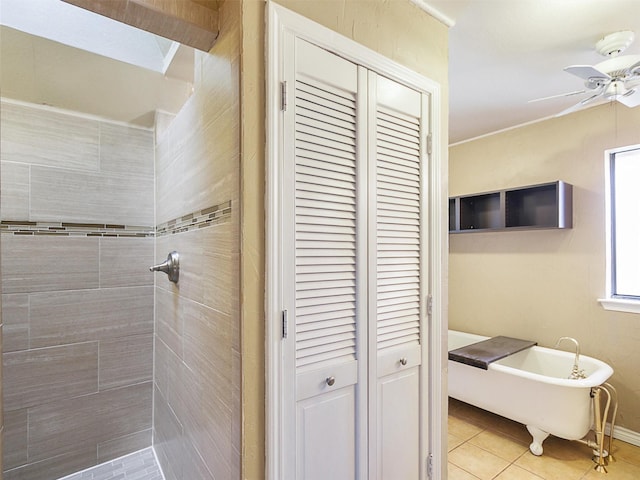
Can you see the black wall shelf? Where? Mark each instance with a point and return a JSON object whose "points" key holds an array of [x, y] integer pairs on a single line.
{"points": [[549, 205]]}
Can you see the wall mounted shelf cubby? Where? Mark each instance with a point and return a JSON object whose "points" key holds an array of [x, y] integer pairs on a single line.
{"points": [[548, 205]]}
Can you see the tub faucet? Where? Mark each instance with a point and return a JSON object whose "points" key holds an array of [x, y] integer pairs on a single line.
{"points": [[576, 372]]}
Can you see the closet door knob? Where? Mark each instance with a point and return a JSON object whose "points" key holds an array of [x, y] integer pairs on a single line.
{"points": [[330, 381], [403, 361]]}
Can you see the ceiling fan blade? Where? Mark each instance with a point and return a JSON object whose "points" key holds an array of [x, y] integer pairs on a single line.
{"points": [[577, 92], [631, 99], [632, 82], [587, 72], [580, 104]]}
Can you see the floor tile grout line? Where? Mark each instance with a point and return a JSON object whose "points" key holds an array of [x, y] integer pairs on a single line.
{"points": [[510, 438]]}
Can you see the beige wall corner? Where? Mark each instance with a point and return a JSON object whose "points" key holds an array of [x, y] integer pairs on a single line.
{"points": [[252, 237]]}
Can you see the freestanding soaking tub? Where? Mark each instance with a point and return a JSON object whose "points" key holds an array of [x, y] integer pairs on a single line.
{"points": [[531, 387]]}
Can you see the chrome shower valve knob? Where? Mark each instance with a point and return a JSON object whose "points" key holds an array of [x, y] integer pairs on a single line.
{"points": [[171, 267]]}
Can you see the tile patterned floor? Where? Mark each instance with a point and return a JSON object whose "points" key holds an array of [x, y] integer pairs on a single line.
{"points": [[140, 465], [484, 446], [481, 445]]}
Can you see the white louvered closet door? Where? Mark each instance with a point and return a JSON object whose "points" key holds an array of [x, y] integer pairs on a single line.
{"points": [[353, 268], [397, 246], [324, 349]]}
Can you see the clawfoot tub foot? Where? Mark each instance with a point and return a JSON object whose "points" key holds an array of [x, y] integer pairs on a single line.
{"points": [[538, 437]]}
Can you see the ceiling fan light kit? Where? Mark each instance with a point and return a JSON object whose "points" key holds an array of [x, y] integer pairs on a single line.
{"points": [[614, 79], [615, 43]]}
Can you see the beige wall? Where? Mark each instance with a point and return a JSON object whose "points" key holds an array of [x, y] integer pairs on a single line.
{"points": [[542, 285], [197, 410], [396, 29]]}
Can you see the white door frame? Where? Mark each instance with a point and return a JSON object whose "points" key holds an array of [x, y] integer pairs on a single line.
{"points": [[281, 20]]}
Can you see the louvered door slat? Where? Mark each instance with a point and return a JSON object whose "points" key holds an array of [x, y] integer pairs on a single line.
{"points": [[398, 315], [325, 108], [386, 152], [314, 170], [398, 215], [390, 172], [325, 101], [395, 135], [328, 141], [333, 323], [328, 92], [325, 228], [395, 119], [316, 314], [310, 158]]}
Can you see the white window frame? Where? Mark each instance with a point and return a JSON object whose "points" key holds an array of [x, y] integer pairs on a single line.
{"points": [[611, 301]]}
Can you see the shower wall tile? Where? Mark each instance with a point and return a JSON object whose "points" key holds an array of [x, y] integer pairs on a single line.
{"points": [[209, 263], [45, 137], [201, 394], [40, 263], [56, 467], [15, 318], [125, 361], [220, 261], [214, 442], [85, 315], [196, 372], [91, 197], [184, 395], [198, 426], [60, 428], [194, 466], [191, 181], [15, 438], [126, 149], [207, 346], [126, 261], [191, 269], [169, 320], [198, 382], [14, 196], [82, 169], [34, 377], [168, 439], [123, 445], [171, 380], [202, 153], [78, 309]]}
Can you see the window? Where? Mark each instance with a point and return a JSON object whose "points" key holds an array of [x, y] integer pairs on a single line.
{"points": [[623, 229]]}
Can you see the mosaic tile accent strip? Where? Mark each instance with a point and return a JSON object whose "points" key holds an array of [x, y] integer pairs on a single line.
{"points": [[192, 221], [140, 465], [67, 229]]}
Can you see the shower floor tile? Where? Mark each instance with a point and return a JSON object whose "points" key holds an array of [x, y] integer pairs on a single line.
{"points": [[140, 465]]}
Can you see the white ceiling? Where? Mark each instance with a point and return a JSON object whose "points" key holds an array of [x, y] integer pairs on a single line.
{"points": [[503, 53]]}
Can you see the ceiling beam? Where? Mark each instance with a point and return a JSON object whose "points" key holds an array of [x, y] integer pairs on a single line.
{"points": [[190, 22]]}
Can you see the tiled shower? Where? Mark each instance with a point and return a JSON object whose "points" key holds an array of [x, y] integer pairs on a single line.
{"points": [[77, 237], [100, 357]]}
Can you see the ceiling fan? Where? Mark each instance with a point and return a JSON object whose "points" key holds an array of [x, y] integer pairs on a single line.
{"points": [[615, 79]]}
